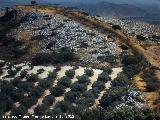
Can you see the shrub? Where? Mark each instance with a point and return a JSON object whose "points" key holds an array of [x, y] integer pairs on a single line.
{"points": [[32, 77], [12, 72], [52, 75], [140, 37], [40, 110], [124, 47], [88, 94], [57, 90], [6, 105], [2, 64], [83, 79], [23, 73], [33, 2], [8, 41], [96, 91], [28, 102], [25, 86], [58, 68], [21, 110], [85, 102], [48, 100], [89, 72], [110, 58], [37, 92], [103, 77], [132, 70], [18, 68], [65, 81], [107, 70], [46, 83], [16, 95], [71, 96], [78, 87], [63, 55], [19, 52], [42, 58], [98, 84], [152, 84], [40, 71], [63, 105], [131, 59], [116, 27], [70, 73], [84, 45], [121, 80], [113, 95], [7, 87], [1, 71]]}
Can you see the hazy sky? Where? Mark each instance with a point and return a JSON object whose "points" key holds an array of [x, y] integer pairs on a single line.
{"points": [[135, 2], [115, 1]]}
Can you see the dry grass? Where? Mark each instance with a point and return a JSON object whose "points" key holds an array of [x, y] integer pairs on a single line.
{"points": [[24, 36], [139, 83]]}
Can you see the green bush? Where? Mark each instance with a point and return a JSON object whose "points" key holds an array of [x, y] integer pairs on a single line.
{"points": [[25, 86], [57, 90], [107, 70], [40, 71], [98, 84], [121, 80], [48, 100], [152, 84], [104, 77], [37, 92], [16, 95], [63, 105], [113, 95], [89, 72], [65, 81], [12, 72], [52, 75], [43, 58], [131, 60], [70, 73], [140, 37], [71, 96], [32, 77], [46, 83], [23, 73], [7, 87], [2, 64], [28, 102], [63, 55], [21, 110], [8, 41], [84, 45], [116, 27], [124, 47], [78, 87], [85, 102], [83, 79], [40, 110], [19, 52], [6, 105]]}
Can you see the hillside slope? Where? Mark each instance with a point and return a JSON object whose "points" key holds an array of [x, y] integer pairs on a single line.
{"points": [[101, 27]]}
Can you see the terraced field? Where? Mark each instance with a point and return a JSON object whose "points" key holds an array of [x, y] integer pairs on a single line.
{"points": [[56, 83]]}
